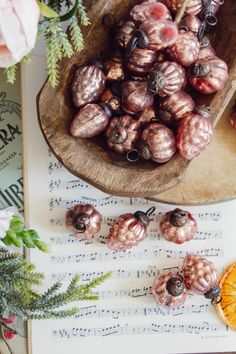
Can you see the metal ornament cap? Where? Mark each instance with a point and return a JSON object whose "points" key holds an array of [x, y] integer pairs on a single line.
{"points": [[144, 217], [200, 70], [156, 81], [213, 293], [203, 110], [179, 217], [175, 285], [81, 222], [144, 151]]}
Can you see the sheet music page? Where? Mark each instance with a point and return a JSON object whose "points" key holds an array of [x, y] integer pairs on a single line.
{"points": [[126, 319]]}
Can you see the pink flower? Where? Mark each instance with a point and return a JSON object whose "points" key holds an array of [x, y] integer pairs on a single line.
{"points": [[18, 29]]}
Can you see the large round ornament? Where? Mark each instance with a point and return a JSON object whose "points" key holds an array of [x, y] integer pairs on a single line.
{"points": [[150, 10], [178, 226], [122, 133], [135, 96], [201, 277], [157, 143], [209, 74], [88, 84], [140, 61], [169, 289], [83, 220], [129, 230], [90, 121], [185, 50], [175, 107], [166, 78]]}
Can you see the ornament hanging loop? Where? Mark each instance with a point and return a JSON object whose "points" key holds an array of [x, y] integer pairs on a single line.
{"points": [[216, 300], [211, 19], [132, 155], [150, 211]]}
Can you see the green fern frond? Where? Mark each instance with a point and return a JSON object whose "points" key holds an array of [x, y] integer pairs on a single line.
{"points": [[76, 34], [11, 74], [82, 14]]}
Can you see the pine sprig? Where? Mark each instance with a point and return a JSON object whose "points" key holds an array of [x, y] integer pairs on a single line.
{"points": [[76, 34], [82, 14], [17, 296], [11, 74]]}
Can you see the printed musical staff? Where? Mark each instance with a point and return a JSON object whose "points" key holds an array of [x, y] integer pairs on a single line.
{"points": [[194, 328], [153, 235], [59, 184], [54, 166], [145, 311], [146, 254]]}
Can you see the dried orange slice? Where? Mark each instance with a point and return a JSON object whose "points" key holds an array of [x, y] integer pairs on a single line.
{"points": [[226, 309]]}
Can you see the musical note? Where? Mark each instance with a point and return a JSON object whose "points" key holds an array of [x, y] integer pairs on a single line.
{"points": [[54, 167], [66, 185], [195, 328], [133, 255]]}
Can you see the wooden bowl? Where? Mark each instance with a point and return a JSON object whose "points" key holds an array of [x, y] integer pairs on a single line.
{"points": [[89, 159]]}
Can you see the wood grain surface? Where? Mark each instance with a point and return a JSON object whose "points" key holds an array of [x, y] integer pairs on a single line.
{"points": [[89, 159]]}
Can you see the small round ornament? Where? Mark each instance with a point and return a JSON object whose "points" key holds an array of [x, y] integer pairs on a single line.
{"points": [[194, 133], [178, 226], [209, 74], [140, 61], [169, 289], [135, 96], [166, 78], [88, 84], [112, 100], [122, 133], [155, 35], [192, 23], [124, 34], [150, 10], [83, 220], [194, 7], [129, 230], [90, 121], [201, 277], [157, 143], [114, 67], [185, 50], [206, 49]]}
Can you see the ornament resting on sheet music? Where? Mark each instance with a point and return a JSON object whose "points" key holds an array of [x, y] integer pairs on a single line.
{"points": [[88, 84], [169, 289], [83, 220], [129, 230], [201, 277], [178, 226]]}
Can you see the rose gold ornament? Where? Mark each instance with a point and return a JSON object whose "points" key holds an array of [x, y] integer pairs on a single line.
{"points": [[147, 116], [129, 230], [192, 23], [135, 96], [150, 10], [194, 133], [211, 6], [175, 107], [232, 117], [88, 84], [201, 277], [112, 101], [91, 120], [166, 78], [169, 289], [114, 67], [178, 226], [185, 50], [140, 61], [125, 33], [122, 133], [209, 75], [194, 7], [155, 35], [83, 220], [206, 49], [157, 143]]}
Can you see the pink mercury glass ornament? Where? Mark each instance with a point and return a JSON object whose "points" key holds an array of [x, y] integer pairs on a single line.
{"points": [[166, 78], [140, 61], [123, 133], [178, 226], [194, 7], [192, 23], [206, 49], [135, 96], [201, 277], [129, 230], [124, 33], [150, 10], [83, 220], [88, 84], [169, 289], [194, 133]]}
